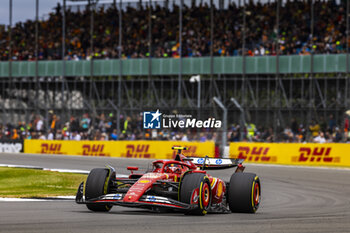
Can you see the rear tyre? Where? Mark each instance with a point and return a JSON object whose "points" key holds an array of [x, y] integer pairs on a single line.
{"points": [[96, 186], [244, 193], [195, 190]]}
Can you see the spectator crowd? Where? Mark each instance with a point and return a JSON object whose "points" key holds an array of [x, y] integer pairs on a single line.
{"points": [[104, 127], [329, 32]]}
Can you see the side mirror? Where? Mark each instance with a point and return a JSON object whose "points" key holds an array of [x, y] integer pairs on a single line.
{"points": [[132, 169]]}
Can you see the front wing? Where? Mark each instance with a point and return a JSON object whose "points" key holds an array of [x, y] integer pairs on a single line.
{"points": [[146, 201]]}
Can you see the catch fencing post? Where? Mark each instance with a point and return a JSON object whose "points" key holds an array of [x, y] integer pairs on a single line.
{"points": [[224, 130]]}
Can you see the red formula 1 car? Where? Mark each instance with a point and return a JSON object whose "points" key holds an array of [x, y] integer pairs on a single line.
{"points": [[181, 184]]}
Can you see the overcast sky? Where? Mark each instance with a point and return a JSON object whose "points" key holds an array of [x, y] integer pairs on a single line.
{"points": [[25, 9]]}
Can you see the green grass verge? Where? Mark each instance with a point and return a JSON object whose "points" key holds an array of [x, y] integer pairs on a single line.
{"points": [[20, 182]]}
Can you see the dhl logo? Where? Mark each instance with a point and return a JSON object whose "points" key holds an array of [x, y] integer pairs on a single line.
{"points": [[255, 154], [138, 151], [51, 148], [317, 154], [94, 150]]}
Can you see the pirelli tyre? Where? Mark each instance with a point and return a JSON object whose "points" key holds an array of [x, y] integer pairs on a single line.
{"points": [[97, 185], [244, 193], [195, 190]]}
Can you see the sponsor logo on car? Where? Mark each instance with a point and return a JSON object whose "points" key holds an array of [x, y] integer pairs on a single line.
{"points": [[200, 161], [156, 199], [144, 181], [218, 161], [190, 152], [151, 198], [152, 175], [117, 196]]}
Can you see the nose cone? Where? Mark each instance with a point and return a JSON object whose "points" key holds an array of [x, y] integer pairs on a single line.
{"points": [[143, 184]]}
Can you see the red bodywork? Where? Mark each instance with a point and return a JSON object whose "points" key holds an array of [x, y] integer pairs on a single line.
{"points": [[160, 187], [169, 184], [171, 170]]}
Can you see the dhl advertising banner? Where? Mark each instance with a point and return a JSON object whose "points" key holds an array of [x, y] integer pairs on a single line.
{"points": [[127, 149], [310, 154]]}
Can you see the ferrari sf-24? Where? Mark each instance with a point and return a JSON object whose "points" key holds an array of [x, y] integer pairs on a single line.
{"points": [[182, 184]]}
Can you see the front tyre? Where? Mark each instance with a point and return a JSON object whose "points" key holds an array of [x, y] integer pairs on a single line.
{"points": [[97, 185], [244, 193], [195, 190]]}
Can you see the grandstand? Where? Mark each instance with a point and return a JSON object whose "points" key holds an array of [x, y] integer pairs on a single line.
{"points": [[266, 62]]}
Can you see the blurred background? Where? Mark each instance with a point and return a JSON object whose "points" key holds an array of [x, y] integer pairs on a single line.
{"points": [[272, 71]]}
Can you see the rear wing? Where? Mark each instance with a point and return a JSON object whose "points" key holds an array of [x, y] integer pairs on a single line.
{"points": [[206, 162], [211, 163]]}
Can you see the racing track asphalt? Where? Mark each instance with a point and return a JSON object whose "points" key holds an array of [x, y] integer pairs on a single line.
{"points": [[293, 200]]}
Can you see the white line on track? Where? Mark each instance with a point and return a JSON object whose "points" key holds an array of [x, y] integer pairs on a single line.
{"points": [[46, 169], [302, 167], [66, 170], [19, 166], [56, 169], [11, 199], [18, 199]]}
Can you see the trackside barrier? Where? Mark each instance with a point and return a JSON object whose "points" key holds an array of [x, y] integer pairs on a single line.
{"points": [[310, 154], [291, 64], [127, 149], [11, 146]]}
